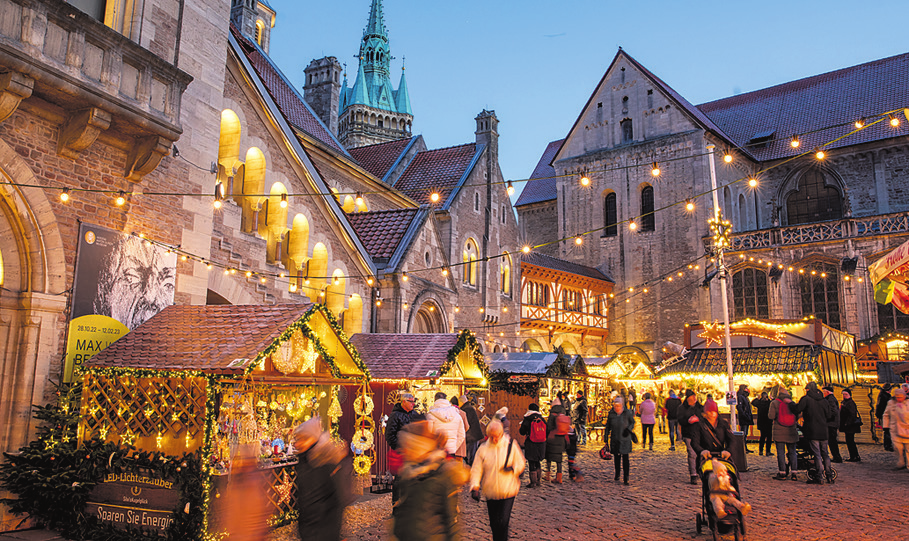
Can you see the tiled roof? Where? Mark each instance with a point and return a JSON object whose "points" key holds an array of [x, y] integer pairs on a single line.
{"points": [[786, 359], [544, 187], [549, 262], [409, 356], [797, 107], [436, 170], [289, 101], [206, 338], [378, 159], [381, 231]]}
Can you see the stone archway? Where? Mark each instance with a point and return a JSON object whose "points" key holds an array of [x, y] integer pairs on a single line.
{"points": [[428, 319]]}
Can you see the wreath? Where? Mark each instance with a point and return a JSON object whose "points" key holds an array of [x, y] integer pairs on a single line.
{"points": [[366, 423], [363, 405], [363, 440], [362, 464]]}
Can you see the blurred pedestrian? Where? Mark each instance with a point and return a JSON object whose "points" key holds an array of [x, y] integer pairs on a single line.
{"points": [[323, 482], [462, 449], [619, 432], [660, 402], [850, 424], [496, 475], [833, 424], [501, 415], [764, 423], [580, 418], [533, 426], [896, 418], [647, 411], [557, 427], [882, 400], [745, 415], [245, 500], [632, 402], [445, 418], [815, 414], [672, 411], [474, 434], [785, 435], [401, 415], [689, 415], [427, 507]]}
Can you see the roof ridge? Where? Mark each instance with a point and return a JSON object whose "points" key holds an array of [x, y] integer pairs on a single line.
{"points": [[447, 148], [383, 143], [371, 212]]}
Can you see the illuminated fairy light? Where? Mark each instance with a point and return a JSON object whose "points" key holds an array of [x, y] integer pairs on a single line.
{"points": [[121, 199], [526, 249], [510, 188], [655, 169], [444, 272], [689, 205], [219, 195], [795, 143], [820, 154], [894, 121], [359, 199], [632, 226], [283, 202], [585, 180], [860, 123], [727, 157], [434, 197], [249, 274], [370, 281], [752, 182], [579, 240], [64, 195]]}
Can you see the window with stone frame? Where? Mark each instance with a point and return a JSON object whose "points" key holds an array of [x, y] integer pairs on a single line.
{"points": [[627, 130], [610, 215], [819, 289], [814, 200], [648, 221], [749, 293], [889, 319], [469, 267], [505, 274], [537, 294]]}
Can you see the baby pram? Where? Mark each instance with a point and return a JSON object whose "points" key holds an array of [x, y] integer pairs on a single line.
{"points": [[805, 458], [734, 522]]}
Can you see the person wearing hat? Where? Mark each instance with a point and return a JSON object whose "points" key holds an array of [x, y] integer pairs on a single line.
{"points": [[323, 488], [833, 424], [672, 410], [496, 474], [896, 418], [850, 424], [785, 435], [689, 415], [533, 426], [882, 400], [815, 415], [428, 487], [712, 434]]}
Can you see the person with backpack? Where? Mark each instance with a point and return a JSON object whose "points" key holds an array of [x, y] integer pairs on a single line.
{"points": [[557, 428], [785, 436], [534, 428], [850, 424]]}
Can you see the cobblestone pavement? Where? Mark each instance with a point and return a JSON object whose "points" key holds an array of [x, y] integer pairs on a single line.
{"points": [[660, 504]]}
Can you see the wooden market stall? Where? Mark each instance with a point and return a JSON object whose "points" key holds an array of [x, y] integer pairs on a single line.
{"points": [[422, 364], [202, 381]]}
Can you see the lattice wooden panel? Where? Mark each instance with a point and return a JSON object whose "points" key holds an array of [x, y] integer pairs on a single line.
{"points": [[281, 489], [143, 406]]}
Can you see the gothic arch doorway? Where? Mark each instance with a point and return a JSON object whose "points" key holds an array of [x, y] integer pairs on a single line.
{"points": [[428, 319]]}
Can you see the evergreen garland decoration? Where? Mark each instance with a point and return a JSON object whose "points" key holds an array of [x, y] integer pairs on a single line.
{"points": [[466, 339]]}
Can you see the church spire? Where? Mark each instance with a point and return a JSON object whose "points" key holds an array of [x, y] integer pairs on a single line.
{"points": [[376, 24], [402, 98], [374, 50]]}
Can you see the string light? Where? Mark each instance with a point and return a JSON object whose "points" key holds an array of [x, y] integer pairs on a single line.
{"points": [[249, 274], [405, 277], [359, 199], [820, 154], [752, 182], [585, 180], [337, 281], [370, 281], [526, 249], [64, 195], [655, 169], [379, 302], [283, 201], [727, 157], [794, 143], [860, 123], [219, 195], [121, 199], [434, 197], [457, 308], [208, 266], [510, 188], [894, 121], [293, 288], [444, 272], [578, 240], [689, 205], [632, 226], [183, 257]]}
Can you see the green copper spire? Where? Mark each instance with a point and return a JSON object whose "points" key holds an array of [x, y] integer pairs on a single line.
{"points": [[402, 98], [359, 94], [376, 24]]}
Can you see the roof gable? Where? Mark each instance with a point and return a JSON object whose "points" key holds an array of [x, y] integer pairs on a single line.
{"points": [[442, 170], [542, 186], [420, 356], [378, 159], [382, 231]]}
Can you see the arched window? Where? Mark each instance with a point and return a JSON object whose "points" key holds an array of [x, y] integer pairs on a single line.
{"points": [[648, 223], [819, 287], [428, 319], [572, 300], [627, 131], [749, 293], [743, 213], [814, 200], [260, 27], [505, 274], [891, 319], [537, 294], [610, 215], [470, 262]]}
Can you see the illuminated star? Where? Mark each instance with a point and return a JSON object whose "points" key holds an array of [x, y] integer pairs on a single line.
{"points": [[713, 332]]}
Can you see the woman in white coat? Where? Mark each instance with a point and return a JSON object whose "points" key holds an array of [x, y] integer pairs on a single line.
{"points": [[896, 418], [496, 473]]}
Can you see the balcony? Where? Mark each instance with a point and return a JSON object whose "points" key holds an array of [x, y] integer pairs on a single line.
{"points": [[542, 317], [90, 79]]}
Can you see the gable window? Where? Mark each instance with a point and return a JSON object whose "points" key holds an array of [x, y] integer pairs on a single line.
{"points": [[749, 294], [820, 293], [537, 294], [470, 262], [814, 200], [648, 223], [627, 131], [610, 216]]}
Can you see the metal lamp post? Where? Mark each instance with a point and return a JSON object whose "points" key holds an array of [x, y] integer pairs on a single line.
{"points": [[720, 240]]}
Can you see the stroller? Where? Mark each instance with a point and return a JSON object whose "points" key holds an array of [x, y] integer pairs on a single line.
{"points": [[805, 458], [734, 522]]}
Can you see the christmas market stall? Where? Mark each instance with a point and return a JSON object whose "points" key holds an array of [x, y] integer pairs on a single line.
{"points": [[193, 385], [421, 364]]}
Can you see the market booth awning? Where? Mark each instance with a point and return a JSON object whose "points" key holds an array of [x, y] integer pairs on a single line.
{"points": [[419, 357], [889, 276]]}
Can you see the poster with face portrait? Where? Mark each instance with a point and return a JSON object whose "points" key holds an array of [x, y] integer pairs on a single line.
{"points": [[121, 281]]}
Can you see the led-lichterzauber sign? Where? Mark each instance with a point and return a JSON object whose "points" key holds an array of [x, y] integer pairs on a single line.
{"points": [[135, 501]]}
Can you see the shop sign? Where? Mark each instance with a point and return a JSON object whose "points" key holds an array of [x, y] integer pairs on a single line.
{"points": [[522, 379], [135, 501]]}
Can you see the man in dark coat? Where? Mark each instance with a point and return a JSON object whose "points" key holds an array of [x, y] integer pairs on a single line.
{"points": [[672, 411], [474, 434], [764, 423], [833, 424], [323, 483], [401, 415], [882, 400], [580, 418], [711, 434], [689, 415], [746, 417], [815, 415]]}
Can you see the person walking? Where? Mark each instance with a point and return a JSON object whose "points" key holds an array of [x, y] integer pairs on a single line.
{"points": [[619, 432], [401, 415], [660, 402], [815, 415], [689, 415], [672, 410], [785, 436], [323, 488], [580, 419], [850, 424], [462, 449], [745, 415], [556, 433], [833, 424], [446, 419], [764, 423], [632, 403], [712, 434], [882, 400], [496, 474], [896, 418], [427, 508], [647, 411], [533, 427], [474, 434]]}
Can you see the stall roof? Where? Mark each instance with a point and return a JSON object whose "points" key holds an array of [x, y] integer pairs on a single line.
{"points": [[406, 356], [597, 361], [521, 362], [790, 359], [212, 339]]}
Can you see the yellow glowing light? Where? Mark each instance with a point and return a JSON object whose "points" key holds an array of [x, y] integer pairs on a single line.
{"points": [[481, 310], [510, 188], [631, 290], [379, 303], [121, 199], [64, 195], [632, 226], [444, 272], [801, 271], [752, 182], [293, 288], [359, 199], [281, 275], [505, 309], [183, 257], [669, 279], [860, 279], [655, 169], [689, 205], [820, 155], [262, 279], [585, 180], [406, 306], [526, 249], [403, 277], [579, 241], [283, 202], [846, 278], [208, 266], [457, 308], [248, 274], [860, 123], [434, 197], [727, 158], [894, 121], [795, 142]]}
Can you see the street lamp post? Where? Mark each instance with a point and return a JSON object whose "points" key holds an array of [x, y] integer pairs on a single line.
{"points": [[720, 240]]}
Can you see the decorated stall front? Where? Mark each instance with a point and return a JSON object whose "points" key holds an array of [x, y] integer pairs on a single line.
{"points": [[421, 364], [172, 402], [628, 368]]}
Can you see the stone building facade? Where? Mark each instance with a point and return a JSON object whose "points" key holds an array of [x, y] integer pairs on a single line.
{"points": [[802, 236]]}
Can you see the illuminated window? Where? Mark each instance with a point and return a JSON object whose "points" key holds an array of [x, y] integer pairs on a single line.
{"points": [[537, 294], [897, 350], [749, 294], [648, 223], [505, 275], [610, 216], [572, 300], [470, 262], [814, 200], [820, 293], [260, 28], [116, 14]]}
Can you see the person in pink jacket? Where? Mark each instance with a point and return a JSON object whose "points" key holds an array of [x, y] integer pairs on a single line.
{"points": [[647, 411], [446, 419]]}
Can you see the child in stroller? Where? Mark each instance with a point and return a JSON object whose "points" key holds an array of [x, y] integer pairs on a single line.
{"points": [[721, 510], [805, 458]]}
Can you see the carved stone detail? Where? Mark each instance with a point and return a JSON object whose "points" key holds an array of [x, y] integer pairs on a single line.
{"points": [[145, 156], [14, 87], [80, 130]]}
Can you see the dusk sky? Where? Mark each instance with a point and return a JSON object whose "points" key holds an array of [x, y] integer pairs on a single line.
{"points": [[536, 63]]}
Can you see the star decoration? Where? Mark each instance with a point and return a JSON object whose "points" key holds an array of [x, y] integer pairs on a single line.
{"points": [[283, 489], [713, 332]]}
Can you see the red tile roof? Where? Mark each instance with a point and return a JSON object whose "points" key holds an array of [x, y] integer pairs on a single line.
{"points": [[381, 231], [410, 356], [544, 187], [436, 170], [549, 262], [797, 107], [206, 338], [289, 101], [378, 159]]}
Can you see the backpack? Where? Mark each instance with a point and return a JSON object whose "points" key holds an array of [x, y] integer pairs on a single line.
{"points": [[785, 417], [537, 430], [563, 425]]}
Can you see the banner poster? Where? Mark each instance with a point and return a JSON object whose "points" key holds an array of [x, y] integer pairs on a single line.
{"points": [[131, 499], [121, 281]]}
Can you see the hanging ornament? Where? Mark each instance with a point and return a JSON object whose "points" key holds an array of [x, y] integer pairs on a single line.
{"points": [[362, 464], [363, 405], [334, 410], [304, 353], [283, 357]]}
